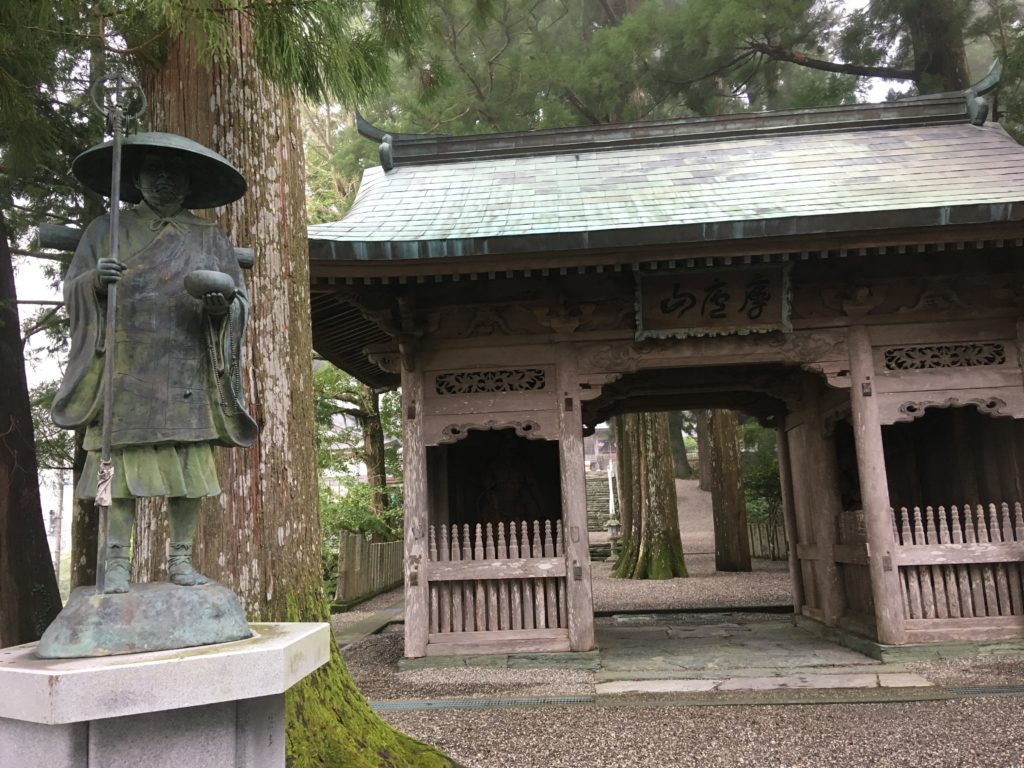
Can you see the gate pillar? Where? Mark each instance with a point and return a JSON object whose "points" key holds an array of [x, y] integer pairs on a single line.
{"points": [[580, 598], [874, 490], [414, 457]]}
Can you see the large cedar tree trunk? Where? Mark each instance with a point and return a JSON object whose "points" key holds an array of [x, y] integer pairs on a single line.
{"points": [[626, 450], [654, 550], [261, 537], [679, 458], [732, 541], [703, 418], [373, 448], [936, 30], [29, 599], [84, 526]]}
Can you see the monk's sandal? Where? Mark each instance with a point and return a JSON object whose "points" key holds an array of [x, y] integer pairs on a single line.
{"points": [[179, 567], [116, 574]]}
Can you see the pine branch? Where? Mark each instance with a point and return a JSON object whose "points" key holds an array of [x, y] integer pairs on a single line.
{"points": [[777, 53], [40, 322], [583, 109]]}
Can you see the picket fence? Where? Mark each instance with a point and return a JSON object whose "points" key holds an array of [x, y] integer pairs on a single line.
{"points": [[962, 562], [482, 582], [768, 541], [366, 569]]}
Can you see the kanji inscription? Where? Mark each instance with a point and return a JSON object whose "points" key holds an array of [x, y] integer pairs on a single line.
{"points": [[713, 302]]}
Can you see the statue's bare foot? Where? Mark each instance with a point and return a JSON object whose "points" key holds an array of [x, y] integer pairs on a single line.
{"points": [[116, 576]]}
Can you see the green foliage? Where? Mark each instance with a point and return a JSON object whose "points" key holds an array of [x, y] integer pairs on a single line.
{"points": [[352, 511], [760, 473], [341, 441], [320, 49], [55, 447]]}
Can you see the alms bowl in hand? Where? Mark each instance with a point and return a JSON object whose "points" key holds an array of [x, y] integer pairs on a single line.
{"points": [[204, 281]]}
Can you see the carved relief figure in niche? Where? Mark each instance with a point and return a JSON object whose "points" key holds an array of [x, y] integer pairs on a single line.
{"points": [[510, 490]]}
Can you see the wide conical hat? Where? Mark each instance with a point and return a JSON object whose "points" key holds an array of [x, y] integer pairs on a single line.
{"points": [[213, 180]]}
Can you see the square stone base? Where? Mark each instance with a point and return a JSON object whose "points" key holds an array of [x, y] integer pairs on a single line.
{"points": [[212, 707], [247, 733]]}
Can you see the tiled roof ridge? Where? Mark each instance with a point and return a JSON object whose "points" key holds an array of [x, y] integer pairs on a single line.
{"points": [[425, 149]]}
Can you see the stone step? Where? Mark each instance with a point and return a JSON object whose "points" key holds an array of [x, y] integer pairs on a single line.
{"points": [[768, 683]]}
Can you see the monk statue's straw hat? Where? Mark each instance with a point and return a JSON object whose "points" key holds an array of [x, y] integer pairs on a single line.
{"points": [[213, 181]]}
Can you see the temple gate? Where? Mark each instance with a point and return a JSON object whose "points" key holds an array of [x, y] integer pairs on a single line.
{"points": [[851, 276]]}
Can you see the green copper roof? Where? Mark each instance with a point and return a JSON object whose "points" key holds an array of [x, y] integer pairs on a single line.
{"points": [[922, 164]]}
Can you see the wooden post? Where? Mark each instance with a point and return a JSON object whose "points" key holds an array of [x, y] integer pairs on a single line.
{"points": [[789, 518], [416, 515], [821, 468], [874, 490], [580, 599]]}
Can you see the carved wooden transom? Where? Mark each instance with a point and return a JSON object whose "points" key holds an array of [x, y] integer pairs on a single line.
{"points": [[919, 358], [486, 382]]}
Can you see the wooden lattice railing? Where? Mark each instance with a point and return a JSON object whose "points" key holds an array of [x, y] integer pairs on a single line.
{"points": [[961, 562], [502, 587]]}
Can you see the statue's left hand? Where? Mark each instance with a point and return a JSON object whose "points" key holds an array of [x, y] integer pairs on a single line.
{"points": [[215, 304]]}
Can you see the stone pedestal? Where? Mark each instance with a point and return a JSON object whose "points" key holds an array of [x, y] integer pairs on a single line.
{"points": [[203, 707]]}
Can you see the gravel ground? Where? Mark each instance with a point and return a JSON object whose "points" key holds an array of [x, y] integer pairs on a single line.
{"points": [[982, 733], [986, 670], [964, 733], [373, 663], [768, 584]]}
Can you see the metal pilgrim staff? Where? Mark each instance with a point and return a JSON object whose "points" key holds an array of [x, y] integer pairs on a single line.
{"points": [[158, 312]]}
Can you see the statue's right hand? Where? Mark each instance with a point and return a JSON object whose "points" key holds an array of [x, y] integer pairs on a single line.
{"points": [[108, 272]]}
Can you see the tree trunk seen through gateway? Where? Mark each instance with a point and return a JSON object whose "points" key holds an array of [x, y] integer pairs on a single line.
{"points": [[703, 419], [29, 599], [373, 449], [732, 540], [261, 537], [654, 549], [679, 458]]}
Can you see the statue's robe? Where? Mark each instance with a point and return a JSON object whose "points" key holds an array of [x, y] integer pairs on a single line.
{"points": [[177, 385]]}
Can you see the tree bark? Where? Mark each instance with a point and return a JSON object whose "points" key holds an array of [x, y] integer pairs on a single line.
{"points": [[84, 526], [655, 550], [261, 537], [627, 449], [681, 463], [373, 448], [703, 418], [936, 29], [29, 598], [732, 541]]}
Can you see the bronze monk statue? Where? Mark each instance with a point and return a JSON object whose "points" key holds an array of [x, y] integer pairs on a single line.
{"points": [[181, 311]]}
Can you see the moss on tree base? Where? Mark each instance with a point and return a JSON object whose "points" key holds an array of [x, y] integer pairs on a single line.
{"points": [[330, 725]]}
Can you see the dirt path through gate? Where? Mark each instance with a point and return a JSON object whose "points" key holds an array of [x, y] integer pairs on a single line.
{"points": [[767, 585]]}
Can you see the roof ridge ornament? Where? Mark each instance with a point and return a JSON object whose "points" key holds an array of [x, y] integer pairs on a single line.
{"points": [[977, 104], [387, 162], [387, 139]]}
